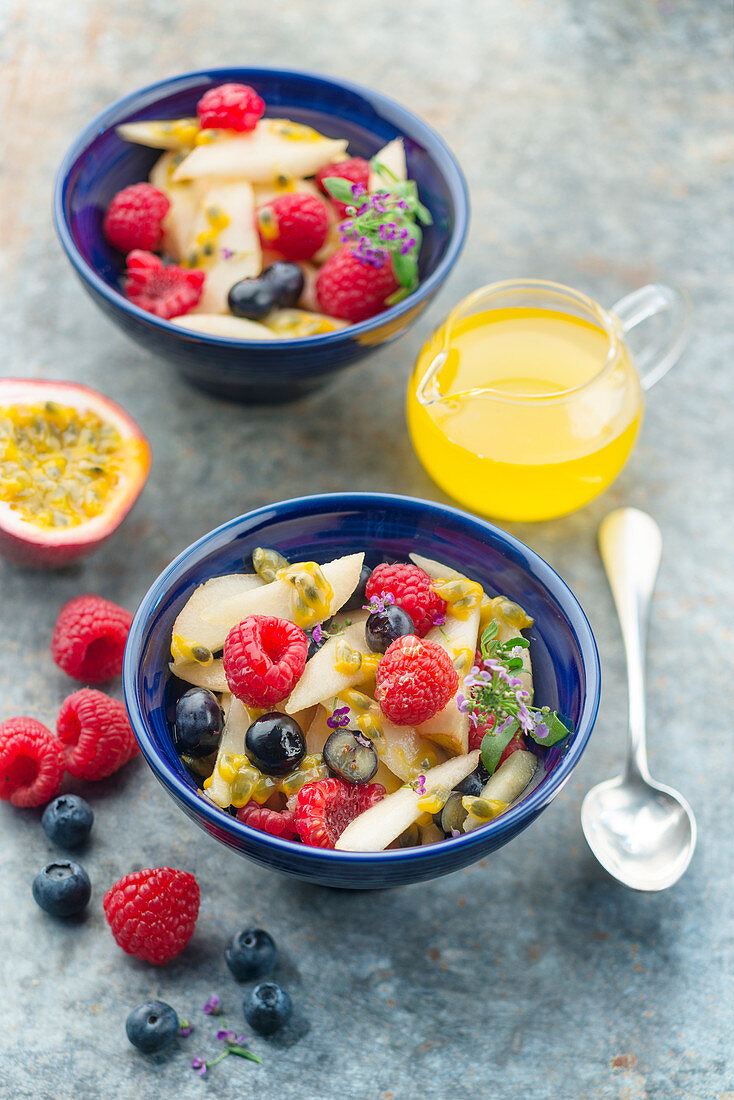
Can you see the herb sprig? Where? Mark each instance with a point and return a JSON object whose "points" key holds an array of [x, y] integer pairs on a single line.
{"points": [[384, 225], [496, 695]]}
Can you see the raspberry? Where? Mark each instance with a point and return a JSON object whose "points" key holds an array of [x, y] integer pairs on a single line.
{"points": [[352, 289], [89, 639], [31, 762], [294, 225], [411, 588], [152, 913], [326, 807], [163, 289], [415, 680], [134, 217], [96, 734], [264, 657], [230, 107], [277, 823], [356, 170]]}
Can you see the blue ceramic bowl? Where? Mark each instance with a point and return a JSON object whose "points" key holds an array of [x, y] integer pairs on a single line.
{"points": [[99, 164], [565, 661]]}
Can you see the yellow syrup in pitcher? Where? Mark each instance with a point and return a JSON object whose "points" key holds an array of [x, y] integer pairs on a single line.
{"points": [[531, 414]]}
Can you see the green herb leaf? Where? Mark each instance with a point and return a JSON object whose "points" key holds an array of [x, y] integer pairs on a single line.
{"points": [[496, 741], [381, 169], [340, 189], [406, 269], [488, 637], [523, 643], [557, 730], [242, 1053], [398, 296]]}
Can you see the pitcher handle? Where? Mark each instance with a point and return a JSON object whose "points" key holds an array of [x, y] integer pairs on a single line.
{"points": [[660, 353], [428, 392]]}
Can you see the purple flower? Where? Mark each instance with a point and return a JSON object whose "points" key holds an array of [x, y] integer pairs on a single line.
{"points": [[358, 189], [227, 253], [200, 1065], [213, 1006], [439, 619], [408, 246], [184, 1028], [317, 634], [541, 731], [455, 833], [420, 784], [378, 604], [463, 704], [339, 719], [503, 728], [226, 1036]]}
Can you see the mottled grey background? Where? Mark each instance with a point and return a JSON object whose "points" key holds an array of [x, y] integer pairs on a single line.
{"points": [[596, 139]]}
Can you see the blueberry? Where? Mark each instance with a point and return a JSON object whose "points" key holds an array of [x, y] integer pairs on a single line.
{"points": [[251, 298], [267, 1008], [67, 820], [351, 755], [275, 743], [62, 888], [384, 627], [199, 722], [358, 598], [286, 280], [251, 954], [472, 785], [152, 1026], [453, 815]]}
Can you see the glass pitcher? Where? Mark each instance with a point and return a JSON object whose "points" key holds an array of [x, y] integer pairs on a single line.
{"points": [[526, 402]]}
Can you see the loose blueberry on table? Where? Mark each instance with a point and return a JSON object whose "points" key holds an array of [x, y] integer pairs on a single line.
{"points": [[405, 720], [251, 954], [285, 235], [152, 1026], [62, 888], [267, 1008], [67, 820]]}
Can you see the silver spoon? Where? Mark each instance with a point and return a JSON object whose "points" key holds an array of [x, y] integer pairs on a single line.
{"points": [[641, 832]]}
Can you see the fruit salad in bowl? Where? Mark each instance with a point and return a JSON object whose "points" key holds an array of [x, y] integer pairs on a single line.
{"points": [[261, 228], [350, 708], [357, 708]]}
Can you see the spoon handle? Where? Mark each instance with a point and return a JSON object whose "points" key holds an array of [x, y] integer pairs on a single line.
{"points": [[631, 544]]}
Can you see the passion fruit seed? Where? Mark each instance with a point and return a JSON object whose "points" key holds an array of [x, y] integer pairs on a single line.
{"points": [[312, 593], [346, 659], [453, 815], [483, 809], [351, 755], [462, 595], [58, 464], [268, 563]]}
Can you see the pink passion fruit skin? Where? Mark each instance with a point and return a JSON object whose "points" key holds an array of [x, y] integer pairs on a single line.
{"points": [[35, 547]]}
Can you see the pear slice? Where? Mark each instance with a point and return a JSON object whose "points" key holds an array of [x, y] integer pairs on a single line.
{"points": [[275, 148], [224, 241], [392, 157], [382, 823], [232, 742], [436, 570], [184, 199], [276, 599], [320, 680], [318, 733], [224, 324], [194, 623], [205, 676], [173, 133], [405, 752], [507, 783]]}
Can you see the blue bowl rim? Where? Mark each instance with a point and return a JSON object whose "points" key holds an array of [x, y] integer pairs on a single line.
{"points": [[430, 138], [509, 822]]}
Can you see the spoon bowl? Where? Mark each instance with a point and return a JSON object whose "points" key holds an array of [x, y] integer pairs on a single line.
{"points": [[642, 833]]}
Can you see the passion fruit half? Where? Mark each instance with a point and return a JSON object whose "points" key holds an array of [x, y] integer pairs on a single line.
{"points": [[72, 464]]}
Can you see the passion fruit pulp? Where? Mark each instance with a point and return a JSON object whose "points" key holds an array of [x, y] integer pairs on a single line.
{"points": [[72, 464]]}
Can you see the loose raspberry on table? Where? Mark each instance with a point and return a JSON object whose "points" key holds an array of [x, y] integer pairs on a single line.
{"points": [[162, 289], [31, 762], [89, 638], [230, 107], [356, 170], [415, 680], [96, 734], [134, 218], [411, 590], [264, 657], [353, 289], [326, 807], [152, 913], [295, 225], [276, 822]]}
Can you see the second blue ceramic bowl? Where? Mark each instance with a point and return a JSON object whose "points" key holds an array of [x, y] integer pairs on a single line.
{"points": [[565, 662], [98, 164]]}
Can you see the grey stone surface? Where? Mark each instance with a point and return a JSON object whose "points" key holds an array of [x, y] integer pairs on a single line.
{"points": [[597, 144]]}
